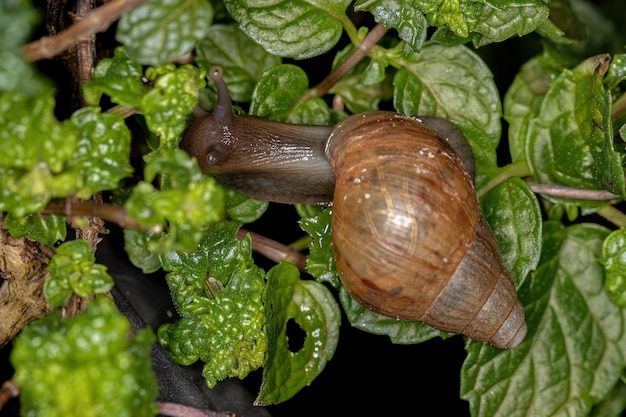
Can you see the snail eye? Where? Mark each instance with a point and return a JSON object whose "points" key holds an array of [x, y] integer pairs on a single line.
{"points": [[217, 154]]}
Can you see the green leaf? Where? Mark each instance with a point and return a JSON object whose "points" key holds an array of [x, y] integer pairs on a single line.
{"points": [[522, 103], [37, 148], [315, 311], [90, 365], [136, 245], [617, 71], [17, 19], [295, 28], [422, 87], [242, 60], [614, 256], [402, 332], [503, 19], [168, 105], [223, 327], [513, 212], [157, 31], [572, 355], [363, 87], [45, 229], [101, 156], [73, 270], [406, 17], [244, 209], [185, 208], [320, 262], [278, 92], [119, 77], [570, 142]]}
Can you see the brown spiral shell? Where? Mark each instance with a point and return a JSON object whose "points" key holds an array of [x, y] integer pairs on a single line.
{"points": [[407, 235]]}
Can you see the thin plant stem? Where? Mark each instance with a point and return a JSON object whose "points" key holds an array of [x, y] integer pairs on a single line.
{"points": [[358, 53], [273, 250], [96, 21]]}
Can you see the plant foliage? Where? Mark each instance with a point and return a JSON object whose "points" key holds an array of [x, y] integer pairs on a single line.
{"points": [[565, 128]]}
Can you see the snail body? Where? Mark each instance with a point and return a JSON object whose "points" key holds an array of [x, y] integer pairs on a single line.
{"points": [[408, 238]]}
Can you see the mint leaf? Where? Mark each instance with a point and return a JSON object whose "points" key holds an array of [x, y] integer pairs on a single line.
{"points": [[101, 156], [221, 324], [46, 229], [614, 256], [244, 209], [17, 19], [503, 19], [315, 311], [73, 270], [168, 105], [295, 28], [406, 17], [572, 356], [242, 59], [156, 32], [65, 365], [119, 77], [522, 102], [570, 141], [184, 208], [278, 92], [321, 263], [513, 212], [399, 331], [422, 87], [136, 245]]}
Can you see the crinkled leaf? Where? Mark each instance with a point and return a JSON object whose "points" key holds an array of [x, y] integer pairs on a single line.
{"points": [[503, 19], [94, 363], [614, 256], [522, 102], [167, 106], [184, 210], [136, 246], [36, 148], [73, 270], [102, 153], [31, 134], [244, 209], [423, 87], [45, 229], [220, 254], [295, 28], [399, 331], [320, 262], [119, 78], [572, 355], [404, 16], [313, 308], [222, 325], [242, 59], [570, 141], [17, 19], [513, 212], [158, 31]]}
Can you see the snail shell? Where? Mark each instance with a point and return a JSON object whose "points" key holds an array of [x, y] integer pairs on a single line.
{"points": [[408, 238]]}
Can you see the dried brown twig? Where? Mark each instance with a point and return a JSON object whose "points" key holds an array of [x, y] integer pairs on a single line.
{"points": [[97, 21]]}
